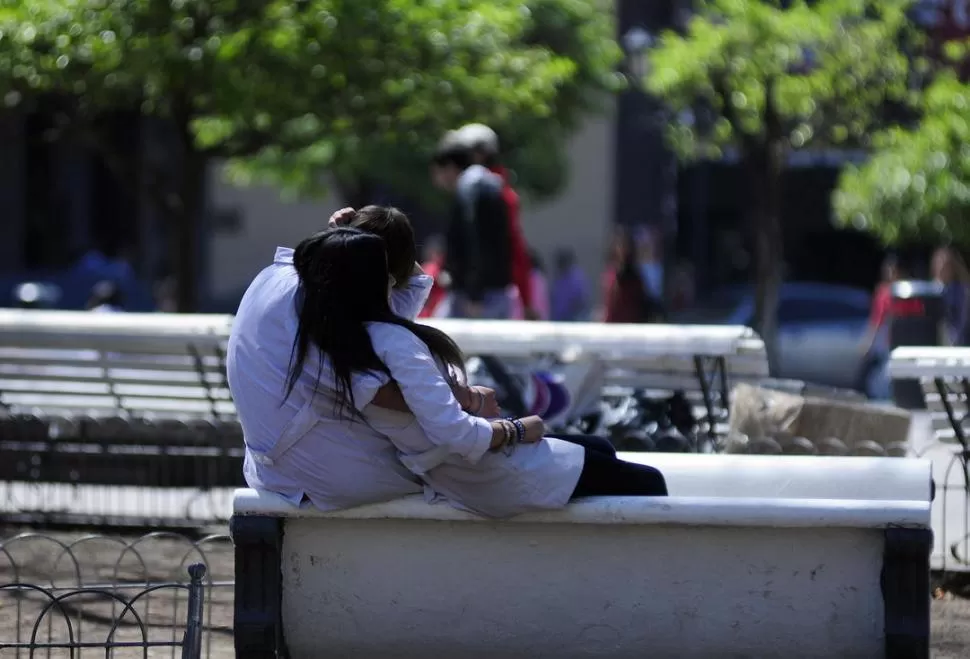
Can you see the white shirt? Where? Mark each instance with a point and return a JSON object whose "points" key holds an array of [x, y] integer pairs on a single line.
{"points": [[449, 448], [296, 447]]}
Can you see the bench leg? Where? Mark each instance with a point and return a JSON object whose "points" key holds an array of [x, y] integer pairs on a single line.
{"points": [[257, 614], [905, 582]]}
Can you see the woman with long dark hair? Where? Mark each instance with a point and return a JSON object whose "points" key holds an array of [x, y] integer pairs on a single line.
{"points": [[493, 467], [295, 446]]}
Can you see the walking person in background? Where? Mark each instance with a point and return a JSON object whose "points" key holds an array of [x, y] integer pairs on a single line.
{"points": [[477, 252], [651, 265], [538, 288], [106, 297], [569, 296], [683, 287], [484, 145], [877, 334], [163, 292], [875, 345], [627, 297], [949, 269]]}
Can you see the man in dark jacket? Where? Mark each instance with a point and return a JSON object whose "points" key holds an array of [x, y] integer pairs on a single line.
{"points": [[478, 259], [484, 144]]}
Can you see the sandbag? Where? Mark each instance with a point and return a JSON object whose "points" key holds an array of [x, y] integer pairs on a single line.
{"points": [[762, 418]]}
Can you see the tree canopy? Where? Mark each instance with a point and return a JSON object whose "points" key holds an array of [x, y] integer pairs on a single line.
{"points": [[799, 73], [534, 113], [291, 89], [772, 76], [291, 72], [916, 185]]}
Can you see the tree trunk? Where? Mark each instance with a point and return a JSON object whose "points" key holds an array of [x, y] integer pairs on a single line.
{"points": [[188, 214], [763, 169]]}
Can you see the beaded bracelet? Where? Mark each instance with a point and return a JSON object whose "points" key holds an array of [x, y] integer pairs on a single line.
{"points": [[519, 430], [507, 433], [511, 436]]}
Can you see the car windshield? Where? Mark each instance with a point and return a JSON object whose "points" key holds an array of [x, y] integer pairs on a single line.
{"points": [[713, 310]]}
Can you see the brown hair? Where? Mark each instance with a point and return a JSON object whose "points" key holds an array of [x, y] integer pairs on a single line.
{"points": [[395, 229]]}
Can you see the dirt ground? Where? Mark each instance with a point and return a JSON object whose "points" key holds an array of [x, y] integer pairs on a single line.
{"points": [[951, 619], [64, 560], [61, 561]]}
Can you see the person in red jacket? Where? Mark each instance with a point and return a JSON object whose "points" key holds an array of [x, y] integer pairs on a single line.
{"points": [[483, 142], [438, 304]]}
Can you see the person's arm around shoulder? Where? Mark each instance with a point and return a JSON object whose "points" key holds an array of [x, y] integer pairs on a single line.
{"points": [[429, 396]]}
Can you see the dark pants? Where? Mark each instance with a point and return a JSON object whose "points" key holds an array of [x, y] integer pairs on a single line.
{"points": [[604, 474]]}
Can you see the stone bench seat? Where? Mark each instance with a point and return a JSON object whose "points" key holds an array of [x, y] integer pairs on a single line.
{"points": [[785, 563]]}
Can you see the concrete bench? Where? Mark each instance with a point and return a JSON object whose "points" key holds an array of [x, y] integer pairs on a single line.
{"points": [[705, 362], [792, 560], [117, 406], [114, 365], [940, 433], [944, 376]]}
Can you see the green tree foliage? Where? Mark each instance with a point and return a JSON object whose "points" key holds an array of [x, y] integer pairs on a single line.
{"points": [[291, 89], [917, 183], [576, 34], [777, 76]]}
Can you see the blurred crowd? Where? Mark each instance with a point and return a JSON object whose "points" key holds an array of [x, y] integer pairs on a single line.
{"points": [[483, 267], [949, 271]]}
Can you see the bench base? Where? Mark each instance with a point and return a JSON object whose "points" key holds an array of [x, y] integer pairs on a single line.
{"points": [[403, 587]]}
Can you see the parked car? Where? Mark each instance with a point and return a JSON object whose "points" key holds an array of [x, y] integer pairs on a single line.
{"points": [[820, 329]]}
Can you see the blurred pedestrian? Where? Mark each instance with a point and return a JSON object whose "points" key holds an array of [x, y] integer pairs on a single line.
{"points": [[873, 377], [106, 297], [569, 295], [477, 252], [164, 292], [628, 300], [538, 288], [683, 287], [949, 269], [111, 263], [651, 265], [876, 340], [484, 144]]}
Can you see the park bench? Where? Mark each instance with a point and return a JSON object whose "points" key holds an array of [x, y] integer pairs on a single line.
{"points": [[704, 362], [944, 377], [116, 407], [104, 415], [941, 434], [752, 556]]}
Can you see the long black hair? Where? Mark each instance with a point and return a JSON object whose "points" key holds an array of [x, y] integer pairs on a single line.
{"points": [[344, 281]]}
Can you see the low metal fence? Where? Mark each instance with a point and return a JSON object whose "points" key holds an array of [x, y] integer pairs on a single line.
{"points": [[158, 595], [952, 509]]}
